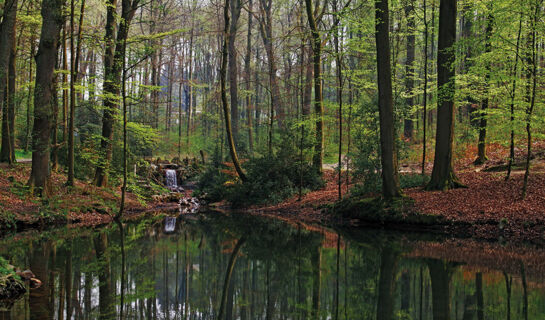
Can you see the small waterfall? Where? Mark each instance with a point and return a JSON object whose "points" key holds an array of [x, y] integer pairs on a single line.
{"points": [[172, 180], [170, 224]]}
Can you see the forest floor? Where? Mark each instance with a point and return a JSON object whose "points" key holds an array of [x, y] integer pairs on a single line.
{"points": [[489, 208], [81, 205]]}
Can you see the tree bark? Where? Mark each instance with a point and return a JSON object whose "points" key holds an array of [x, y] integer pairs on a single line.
{"points": [[408, 129], [236, 6], [7, 42], [443, 176], [114, 53], [74, 67], [247, 75], [318, 157], [225, 104], [266, 30], [43, 94], [481, 147], [390, 179]]}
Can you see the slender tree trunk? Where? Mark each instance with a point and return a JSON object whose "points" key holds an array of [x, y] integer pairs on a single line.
{"points": [[115, 52], [340, 83], [318, 156], [225, 104], [30, 94], [425, 96], [530, 109], [247, 75], [74, 67], [12, 95], [481, 152], [390, 179], [512, 106], [236, 6], [266, 30], [409, 71], [43, 94], [443, 176]]}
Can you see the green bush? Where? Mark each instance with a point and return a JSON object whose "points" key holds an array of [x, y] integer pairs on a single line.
{"points": [[270, 179]]}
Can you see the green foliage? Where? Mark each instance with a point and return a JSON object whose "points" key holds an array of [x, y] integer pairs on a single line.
{"points": [[6, 271], [272, 179], [366, 157]]}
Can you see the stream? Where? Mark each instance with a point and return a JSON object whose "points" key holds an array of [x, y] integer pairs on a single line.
{"points": [[179, 269]]}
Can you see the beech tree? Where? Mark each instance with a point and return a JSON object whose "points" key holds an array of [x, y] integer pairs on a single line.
{"points": [[390, 179], [52, 21], [443, 176], [113, 65], [7, 61]]}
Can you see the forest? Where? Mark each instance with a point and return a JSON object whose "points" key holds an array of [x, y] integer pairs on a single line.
{"points": [[289, 86], [335, 118]]}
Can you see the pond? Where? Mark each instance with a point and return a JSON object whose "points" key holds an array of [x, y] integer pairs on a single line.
{"points": [[254, 268]]}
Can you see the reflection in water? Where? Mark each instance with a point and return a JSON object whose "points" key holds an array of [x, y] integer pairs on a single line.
{"points": [[247, 268]]}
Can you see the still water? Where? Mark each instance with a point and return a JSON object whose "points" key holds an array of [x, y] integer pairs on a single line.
{"points": [[251, 268]]}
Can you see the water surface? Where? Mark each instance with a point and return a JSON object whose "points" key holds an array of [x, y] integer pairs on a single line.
{"points": [[278, 271]]}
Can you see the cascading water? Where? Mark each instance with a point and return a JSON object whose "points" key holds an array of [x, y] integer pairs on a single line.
{"points": [[171, 178], [170, 224]]}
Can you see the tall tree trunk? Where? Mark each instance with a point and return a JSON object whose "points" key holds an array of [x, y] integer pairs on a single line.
{"points": [[74, 67], [425, 94], [318, 156], [532, 74], [114, 53], [247, 76], [266, 30], [443, 176], [236, 6], [409, 71], [390, 179], [11, 95], [481, 152], [512, 105], [43, 95], [225, 104], [7, 42]]}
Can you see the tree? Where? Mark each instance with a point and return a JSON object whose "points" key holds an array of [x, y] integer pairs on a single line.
{"points": [[74, 67], [313, 16], [7, 43], [43, 95], [409, 70], [443, 176], [225, 104], [236, 6], [481, 152], [390, 179], [113, 61]]}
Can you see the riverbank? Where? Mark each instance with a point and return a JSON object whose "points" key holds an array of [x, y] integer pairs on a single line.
{"points": [[83, 204], [489, 208]]}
